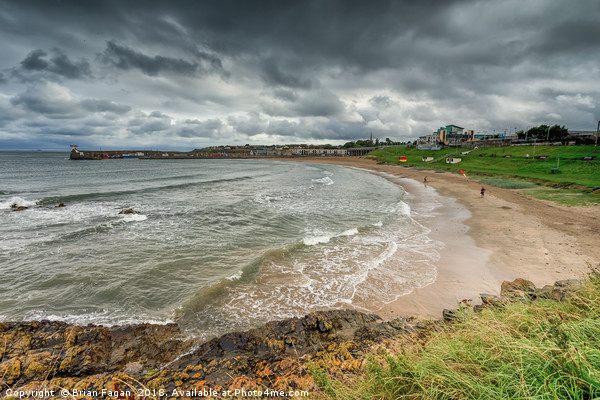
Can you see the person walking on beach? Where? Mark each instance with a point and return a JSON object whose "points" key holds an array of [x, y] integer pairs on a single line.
{"points": [[425, 180], [482, 191]]}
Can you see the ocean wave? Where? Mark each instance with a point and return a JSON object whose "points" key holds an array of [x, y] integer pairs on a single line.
{"points": [[236, 276], [322, 239], [104, 317], [349, 232], [324, 181], [17, 202], [142, 190], [314, 240]]}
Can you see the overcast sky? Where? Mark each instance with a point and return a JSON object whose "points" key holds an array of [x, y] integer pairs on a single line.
{"points": [[190, 74]]}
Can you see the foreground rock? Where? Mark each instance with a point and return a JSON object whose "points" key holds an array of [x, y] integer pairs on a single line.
{"points": [[54, 355]]}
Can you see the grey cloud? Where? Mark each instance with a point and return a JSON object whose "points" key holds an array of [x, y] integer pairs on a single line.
{"points": [[273, 75], [319, 103], [286, 95], [35, 61], [339, 130], [59, 64], [155, 122], [285, 128], [313, 103], [369, 115], [158, 114], [56, 102], [105, 106], [251, 124], [199, 129], [62, 65], [154, 126], [125, 58], [381, 101], [50, 100]]}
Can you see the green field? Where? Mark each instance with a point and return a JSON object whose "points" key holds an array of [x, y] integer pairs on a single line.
{"points": [[492, 164]]}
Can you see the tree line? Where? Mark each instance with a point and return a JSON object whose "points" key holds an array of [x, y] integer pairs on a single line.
{"points": [[554, 133]]}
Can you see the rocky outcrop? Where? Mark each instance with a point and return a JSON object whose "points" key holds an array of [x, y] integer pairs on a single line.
{"points": [[157, 359], [45, 350], [524, 289], [129, 211]]}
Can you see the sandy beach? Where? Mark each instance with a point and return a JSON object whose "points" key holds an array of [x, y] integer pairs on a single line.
{"points": [[503, 236]]}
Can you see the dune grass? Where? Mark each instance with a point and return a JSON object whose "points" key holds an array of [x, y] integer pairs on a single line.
{"points": [[524, 350]]}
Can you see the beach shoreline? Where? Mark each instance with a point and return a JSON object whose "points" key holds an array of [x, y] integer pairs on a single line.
{"points": [[506, 235]]}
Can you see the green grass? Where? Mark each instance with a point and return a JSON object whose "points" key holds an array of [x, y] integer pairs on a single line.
{"points": [[506, 183], [567, 197], [572, 170], [524, 350]]}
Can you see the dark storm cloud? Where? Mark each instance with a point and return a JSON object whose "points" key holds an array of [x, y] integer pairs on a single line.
{"points": [[306, 70], [125, 58], [35, 61], [274, 75], [59, 64]]}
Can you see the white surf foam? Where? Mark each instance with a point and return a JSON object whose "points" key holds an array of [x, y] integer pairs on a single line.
{"points": [[403, 208], [314, 240], [236, 276], [349, 232], [324, 181], [17, 202], [135, 217], [104, 317]]}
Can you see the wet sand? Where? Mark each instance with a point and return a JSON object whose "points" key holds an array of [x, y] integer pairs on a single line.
{"points": [[503, 236]]}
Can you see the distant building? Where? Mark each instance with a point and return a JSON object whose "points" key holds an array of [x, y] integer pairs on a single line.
{"points": [[452, 135], [449, 135], [322, 152]]}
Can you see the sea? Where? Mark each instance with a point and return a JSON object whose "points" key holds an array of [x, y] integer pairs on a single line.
{"points": [[214, 245]]}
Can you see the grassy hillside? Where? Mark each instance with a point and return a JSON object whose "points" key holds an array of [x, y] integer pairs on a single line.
{"points": [[572, 170], [539, 349], [577, 181]]}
